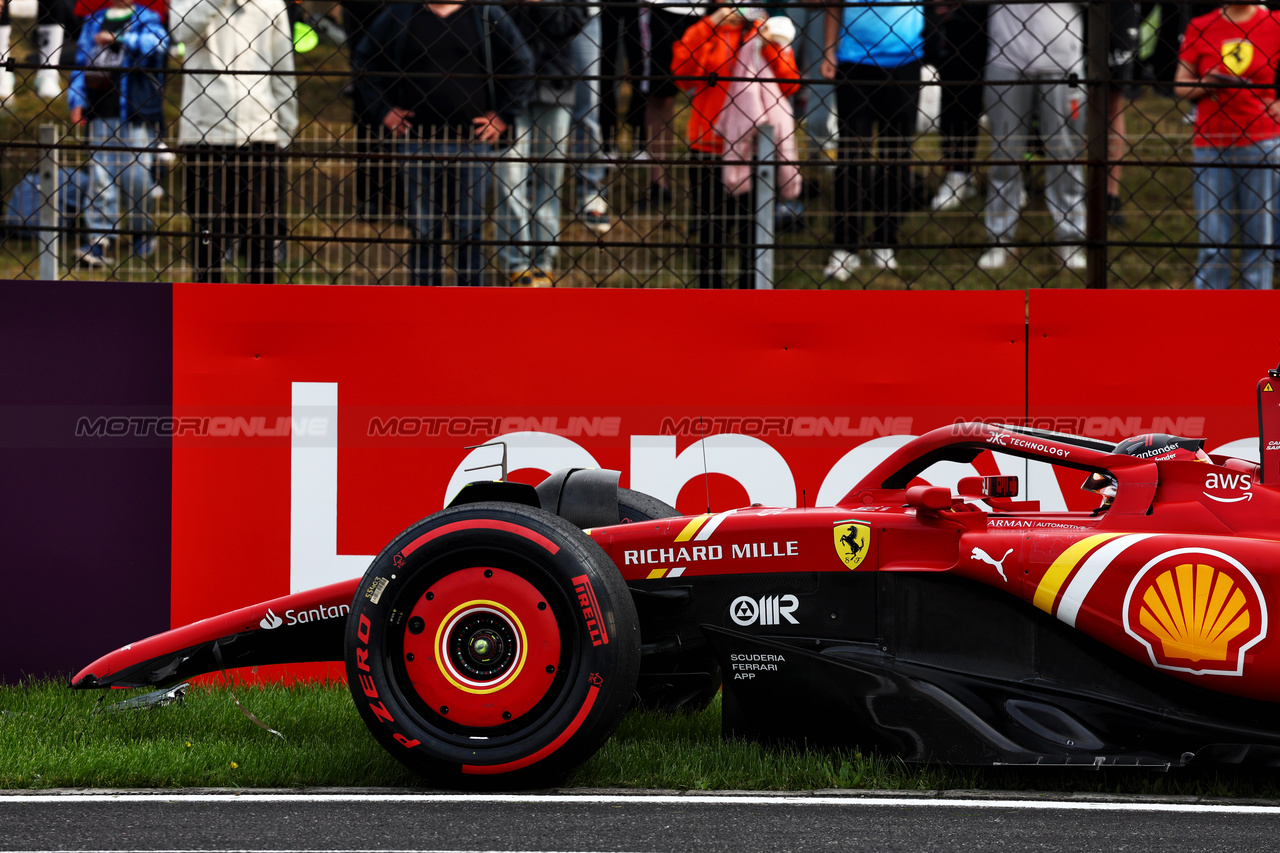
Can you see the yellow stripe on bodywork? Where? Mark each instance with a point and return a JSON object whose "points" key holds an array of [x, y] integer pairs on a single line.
{"points": [[692, 528], [656, 573], [1051, 583]]}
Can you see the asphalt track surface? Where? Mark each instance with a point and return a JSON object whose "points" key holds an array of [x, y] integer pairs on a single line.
{"points": [[223, 822]]}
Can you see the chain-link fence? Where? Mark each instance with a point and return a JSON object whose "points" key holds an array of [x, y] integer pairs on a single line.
{"points": [[957, 144]]}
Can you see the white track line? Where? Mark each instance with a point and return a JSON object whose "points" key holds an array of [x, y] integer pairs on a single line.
{"points": [[852, 801]]}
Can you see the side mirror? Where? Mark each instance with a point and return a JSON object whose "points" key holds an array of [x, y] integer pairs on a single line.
{"points": [[988, 487], [929, 497]]}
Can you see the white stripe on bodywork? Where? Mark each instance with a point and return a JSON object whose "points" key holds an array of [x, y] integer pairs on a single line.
{"points": [[710, 527], [676, 572], [1088, 574]]}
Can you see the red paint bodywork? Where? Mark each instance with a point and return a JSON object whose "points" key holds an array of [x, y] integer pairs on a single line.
{"points": [[1191, 543]]}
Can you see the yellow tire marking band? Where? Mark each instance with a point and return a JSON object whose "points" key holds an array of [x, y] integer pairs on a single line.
{"points": [[1062, 567], [691, 528]]}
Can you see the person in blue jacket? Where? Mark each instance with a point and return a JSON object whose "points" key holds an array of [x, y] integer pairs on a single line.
{"points": [[117, 90], [873, 54]]}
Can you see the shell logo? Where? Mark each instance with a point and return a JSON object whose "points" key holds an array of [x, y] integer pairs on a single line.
{"points": [[1196, 610]]}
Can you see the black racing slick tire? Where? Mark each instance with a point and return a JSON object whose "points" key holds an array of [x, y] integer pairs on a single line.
{"points": [[637, 506], [492, 645]]}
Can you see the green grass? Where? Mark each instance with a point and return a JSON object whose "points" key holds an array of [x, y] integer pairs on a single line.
{"points": [[53, 737]]}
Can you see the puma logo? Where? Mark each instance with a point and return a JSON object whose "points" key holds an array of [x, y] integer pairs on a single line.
{"points": [[984, 557]]}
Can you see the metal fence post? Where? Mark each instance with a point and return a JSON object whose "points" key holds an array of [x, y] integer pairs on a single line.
{"points": [[766, 194], [49, 191], [1097, 130]]}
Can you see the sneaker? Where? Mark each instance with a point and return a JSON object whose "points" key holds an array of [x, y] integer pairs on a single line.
{"points": [[884, 259], [1072, 257], [531, 278], [596, 216], [841, 265], [95, 256], [957, 188], [48, 84], [6, 85], [144, 247], [995, 258]]}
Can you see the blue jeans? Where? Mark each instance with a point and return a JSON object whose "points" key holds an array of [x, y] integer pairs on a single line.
{"points": [[588, 145], [1235, 187], [528, 209], [451, 189], [113, 172]]}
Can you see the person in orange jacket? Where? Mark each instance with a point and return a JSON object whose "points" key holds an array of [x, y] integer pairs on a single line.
{"points": [[707, 53]]}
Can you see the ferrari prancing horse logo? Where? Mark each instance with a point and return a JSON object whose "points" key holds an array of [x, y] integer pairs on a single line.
{"points": [[852, 540], [1237, 56]]}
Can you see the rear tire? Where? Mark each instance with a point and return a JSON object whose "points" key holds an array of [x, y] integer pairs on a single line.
{"points": [[637, 506], [492, 645]]}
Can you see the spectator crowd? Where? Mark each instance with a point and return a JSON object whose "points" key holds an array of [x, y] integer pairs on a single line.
{"points": [[489, 126]]}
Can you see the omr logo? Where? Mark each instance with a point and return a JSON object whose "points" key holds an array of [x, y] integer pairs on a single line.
{"points": [[271, 621], [769, 610]]}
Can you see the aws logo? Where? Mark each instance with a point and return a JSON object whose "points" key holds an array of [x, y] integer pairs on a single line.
{"points": [[852, 539], [1242, 483], [1196, 610]]}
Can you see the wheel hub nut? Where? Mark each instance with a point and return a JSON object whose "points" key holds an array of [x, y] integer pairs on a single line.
{"points": [[486, 646]]}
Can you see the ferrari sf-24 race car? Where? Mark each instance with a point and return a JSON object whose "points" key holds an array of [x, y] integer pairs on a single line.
{"points": [[500, 640]]}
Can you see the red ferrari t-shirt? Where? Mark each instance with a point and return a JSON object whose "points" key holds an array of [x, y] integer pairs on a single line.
{"points": [[1248, 51]]}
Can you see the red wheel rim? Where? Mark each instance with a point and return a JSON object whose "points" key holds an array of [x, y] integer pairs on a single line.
{"points": [[481, 647]]}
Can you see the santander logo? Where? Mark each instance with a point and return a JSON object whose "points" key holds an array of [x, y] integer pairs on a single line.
{"points": [[271, 621]]}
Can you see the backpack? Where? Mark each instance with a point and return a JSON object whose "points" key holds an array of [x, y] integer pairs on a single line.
{"points": [[22, 212]]}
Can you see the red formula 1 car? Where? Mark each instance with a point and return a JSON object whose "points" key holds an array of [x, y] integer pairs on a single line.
{"points": [[503, 637]]}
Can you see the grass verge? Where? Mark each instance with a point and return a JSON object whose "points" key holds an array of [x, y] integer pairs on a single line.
{"points": [[53, 737]]}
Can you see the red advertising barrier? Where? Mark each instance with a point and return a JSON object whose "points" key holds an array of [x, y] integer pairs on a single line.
{"points": [[1112, 364], [313, 424], [295, 430]]}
